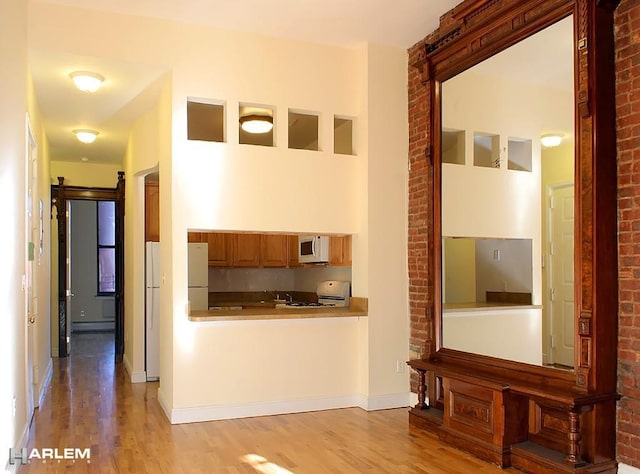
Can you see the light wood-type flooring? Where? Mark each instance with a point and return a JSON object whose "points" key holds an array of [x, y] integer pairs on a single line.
{"points": [[91, 404]]}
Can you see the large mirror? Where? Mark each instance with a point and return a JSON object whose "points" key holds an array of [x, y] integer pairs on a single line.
{"points": [[507, 203]]}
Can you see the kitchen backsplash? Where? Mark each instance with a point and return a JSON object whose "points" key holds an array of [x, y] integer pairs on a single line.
{"points": [[260, 279]]}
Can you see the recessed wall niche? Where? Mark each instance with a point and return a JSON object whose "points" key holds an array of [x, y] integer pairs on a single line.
{"points": [[343, 136], [205, 120], [303, 130], [486, 150], [519, 153], [248, 138], [453, 148]]}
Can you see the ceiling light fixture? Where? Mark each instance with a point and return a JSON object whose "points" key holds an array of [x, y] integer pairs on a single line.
{"points": [[550, 140], [256, 123], [85, 135], [87, 81]]}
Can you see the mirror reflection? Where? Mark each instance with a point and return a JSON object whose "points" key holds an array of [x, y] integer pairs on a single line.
{"points": [[508, 205]]}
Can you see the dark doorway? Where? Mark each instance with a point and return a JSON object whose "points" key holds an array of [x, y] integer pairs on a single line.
{"points": [[61, 195]]}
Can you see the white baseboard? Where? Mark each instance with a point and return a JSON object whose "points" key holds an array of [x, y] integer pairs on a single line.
{"points": [[134, 377], [44, 383], [226, 412], [384, 402], [625, 469], [163, 404]]}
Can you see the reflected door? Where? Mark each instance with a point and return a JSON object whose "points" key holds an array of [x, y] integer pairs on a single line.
{"points": [[561, 275]]}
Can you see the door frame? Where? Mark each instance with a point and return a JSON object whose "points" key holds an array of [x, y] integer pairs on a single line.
{"points": [[60, 195]]}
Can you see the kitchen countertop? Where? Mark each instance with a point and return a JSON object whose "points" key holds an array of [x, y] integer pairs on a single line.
{"points": [[261, 311]]}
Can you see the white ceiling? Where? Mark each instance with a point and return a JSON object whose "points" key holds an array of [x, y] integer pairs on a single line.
{"points": [[131, 89]]}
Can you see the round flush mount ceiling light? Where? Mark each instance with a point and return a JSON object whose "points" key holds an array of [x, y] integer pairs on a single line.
{"points": [[87, 81], [85, 135], [256, 123], [550, 140]]}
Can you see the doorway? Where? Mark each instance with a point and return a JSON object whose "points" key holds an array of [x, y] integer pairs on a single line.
{"points": [[109, 261], [561, 274]]}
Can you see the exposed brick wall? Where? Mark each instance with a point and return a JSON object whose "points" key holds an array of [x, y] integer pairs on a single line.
{"points": [[627, 29], [627, 32], [419, 208]]}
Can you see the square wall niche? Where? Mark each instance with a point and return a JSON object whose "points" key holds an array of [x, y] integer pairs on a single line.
{"points": [[453, 149], [486, 150], [205, 120], [519, 153], [343, 136], [262, 113], [303, 130]]}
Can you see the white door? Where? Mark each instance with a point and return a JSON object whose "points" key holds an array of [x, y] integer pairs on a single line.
{"points": [[561, 275], [32, 253]]}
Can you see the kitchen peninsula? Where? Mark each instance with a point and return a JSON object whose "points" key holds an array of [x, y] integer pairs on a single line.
{"points": [[357, 307]]}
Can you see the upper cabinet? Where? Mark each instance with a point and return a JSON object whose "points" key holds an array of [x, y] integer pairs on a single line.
{"points": [[151, 211], [220, 249], [246, 250], [264, 250], [274, 250], [340, 250]]}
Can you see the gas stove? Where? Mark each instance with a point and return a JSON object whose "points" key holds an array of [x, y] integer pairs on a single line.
{"points": [[303, 304], [331, 293]]}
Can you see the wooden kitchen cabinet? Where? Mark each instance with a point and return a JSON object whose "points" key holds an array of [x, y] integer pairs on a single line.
{"points": [[246, 250], [292, 242], [152, 211], [196, 237], [219, 248], [340, 250], [274, 250]]}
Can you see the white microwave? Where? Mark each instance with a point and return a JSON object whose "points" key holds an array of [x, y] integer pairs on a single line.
{"points": [[313, 249]]}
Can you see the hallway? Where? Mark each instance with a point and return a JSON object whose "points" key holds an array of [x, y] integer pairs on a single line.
{"points": [[91, 404]]}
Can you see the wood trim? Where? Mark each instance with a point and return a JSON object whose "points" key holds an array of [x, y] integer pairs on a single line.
{"points": [[468, 34], [60, 195]]}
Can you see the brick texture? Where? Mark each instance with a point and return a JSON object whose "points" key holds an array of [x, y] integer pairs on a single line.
{"points": [[627, 33]]}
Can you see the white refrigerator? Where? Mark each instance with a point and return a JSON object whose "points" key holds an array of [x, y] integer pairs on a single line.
{"points": [[152, 311], [198, 288], [198, 276]]}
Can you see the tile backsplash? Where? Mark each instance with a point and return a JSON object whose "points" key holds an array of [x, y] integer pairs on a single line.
{"points": [[260, 279]]}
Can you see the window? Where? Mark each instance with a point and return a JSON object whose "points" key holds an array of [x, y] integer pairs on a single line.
{"points": [[106, 247]]}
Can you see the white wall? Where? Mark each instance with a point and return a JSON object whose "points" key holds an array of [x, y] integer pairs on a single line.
{"points": [[85, 174], [42, 364], [228, 186], [13, 97], [512, 334], [150, 139], [387, 213]]}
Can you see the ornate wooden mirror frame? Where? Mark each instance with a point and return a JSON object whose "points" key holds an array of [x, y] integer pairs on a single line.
{"points": [[535, 418]]}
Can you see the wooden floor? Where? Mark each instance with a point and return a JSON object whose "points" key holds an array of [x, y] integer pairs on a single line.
{"points": [[91, 404]]}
